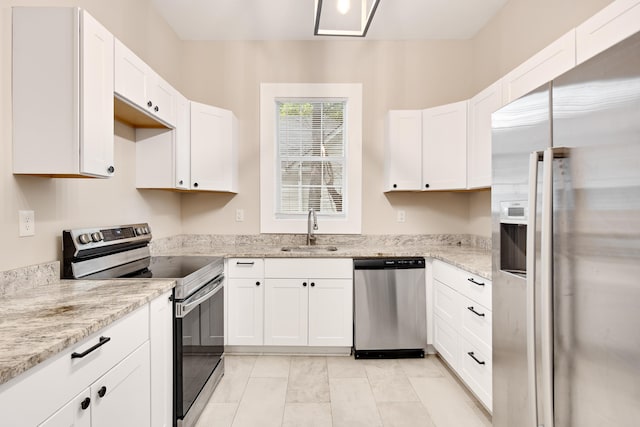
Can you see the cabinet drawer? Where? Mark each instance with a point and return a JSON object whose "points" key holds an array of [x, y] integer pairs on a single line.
{"points": [[246, 268], [447, 303], [446, 341], [56, 381], [477, 373], [475, 322], [472, 286], [316, 268]]}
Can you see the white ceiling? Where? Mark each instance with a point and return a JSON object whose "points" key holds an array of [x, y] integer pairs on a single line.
{"points": [[293, 19]]}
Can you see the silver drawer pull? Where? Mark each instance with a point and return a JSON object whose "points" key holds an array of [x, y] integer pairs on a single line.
{"points": [[472, 309], [245, 263], [479, 362], [472, 280]]}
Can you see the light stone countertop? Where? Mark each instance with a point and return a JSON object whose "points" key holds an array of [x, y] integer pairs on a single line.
{"points": [[40, 322], [471, 259]]}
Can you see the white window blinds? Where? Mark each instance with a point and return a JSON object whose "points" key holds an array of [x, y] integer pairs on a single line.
{"points": [[311, 157]]}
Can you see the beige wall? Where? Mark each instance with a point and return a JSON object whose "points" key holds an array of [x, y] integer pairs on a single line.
{"points": [[72, 203], [395, 75], [522, 28]]}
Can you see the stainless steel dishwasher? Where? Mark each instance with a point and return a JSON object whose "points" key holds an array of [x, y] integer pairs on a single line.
{"points": [[390, 317]]}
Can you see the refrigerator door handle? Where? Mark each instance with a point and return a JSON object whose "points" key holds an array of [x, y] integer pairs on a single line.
{"points": [[546, 282], [534, 159]]}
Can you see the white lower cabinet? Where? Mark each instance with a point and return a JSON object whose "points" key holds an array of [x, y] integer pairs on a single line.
{"points": [[286, 312], [245, 301], [122, 396], [315, 312], [76, 413], [446, 341], [462, 326], [309, 301], [331, 313], [109, 379], [290, 302], [161, 358]]}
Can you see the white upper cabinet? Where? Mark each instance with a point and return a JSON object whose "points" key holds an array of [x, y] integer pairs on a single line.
{"points": [[163, 155], [140, 86], [481, 107], [403, 150], [199, 154], [444, 147], [182, 149], [549, 63], [614, 23], [62, 93], [214, 157]]}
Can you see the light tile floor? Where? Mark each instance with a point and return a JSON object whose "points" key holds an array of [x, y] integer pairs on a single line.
{"points": [[318, 391]]}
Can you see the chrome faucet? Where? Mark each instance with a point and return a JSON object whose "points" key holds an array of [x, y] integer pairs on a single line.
{"points": [[311, 239]]}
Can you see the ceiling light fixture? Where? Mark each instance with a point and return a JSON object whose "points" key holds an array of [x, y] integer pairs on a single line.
{"points": [[344, 20], [343, 6]]}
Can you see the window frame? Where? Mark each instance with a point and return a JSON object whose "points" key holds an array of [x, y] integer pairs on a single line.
{"points": [[351, 221]]}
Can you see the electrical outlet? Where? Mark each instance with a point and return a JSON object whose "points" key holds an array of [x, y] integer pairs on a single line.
{"points": [[401, 216], [27, 222], [239, 215]]}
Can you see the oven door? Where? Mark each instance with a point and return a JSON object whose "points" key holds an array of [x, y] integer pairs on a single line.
{"points": [[198, 347]]}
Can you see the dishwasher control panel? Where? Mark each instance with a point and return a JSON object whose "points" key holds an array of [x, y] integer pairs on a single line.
{"points": [[388, 263]]}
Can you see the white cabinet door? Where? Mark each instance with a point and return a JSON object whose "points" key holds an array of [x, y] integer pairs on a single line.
{"points": [[403, 150], [246, 311], [62, 93], [213, 149], [161, 349], [142, 87], [619, 20], [286, 311], [446, 341], [162, 97], [446, 304], [76, 413], [544, 66], [331, 312], [444, 147], [131, 76], [481, 107], [96, 88], [182, 140], [122, 396]]}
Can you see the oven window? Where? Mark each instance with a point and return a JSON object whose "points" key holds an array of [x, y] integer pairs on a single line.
{"points": [[199, 350]]}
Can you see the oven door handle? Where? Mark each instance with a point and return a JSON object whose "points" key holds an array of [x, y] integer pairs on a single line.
{"points": [[183, 308]]}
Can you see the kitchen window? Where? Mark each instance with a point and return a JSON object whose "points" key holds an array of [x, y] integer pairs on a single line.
{"points": [[310, 157]]}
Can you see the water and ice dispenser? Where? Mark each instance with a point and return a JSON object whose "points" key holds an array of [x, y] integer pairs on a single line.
{"points": [[513, 237]]}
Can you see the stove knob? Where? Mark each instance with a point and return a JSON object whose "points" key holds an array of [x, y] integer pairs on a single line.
{"points": [[84, 238], [96, 237], [146, 230], [138, 231]]}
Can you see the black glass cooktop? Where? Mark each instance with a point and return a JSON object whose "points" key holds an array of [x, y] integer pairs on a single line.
{"points": [[177, 267]]}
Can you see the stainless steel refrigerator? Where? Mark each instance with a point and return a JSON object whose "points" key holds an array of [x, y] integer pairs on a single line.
{"points": [[566, 249]]}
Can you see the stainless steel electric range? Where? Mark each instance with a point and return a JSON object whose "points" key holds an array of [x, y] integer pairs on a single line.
{"points": [[198, 326]]}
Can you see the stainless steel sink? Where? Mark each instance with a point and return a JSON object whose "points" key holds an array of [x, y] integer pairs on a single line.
{"points": [[309, 249]]}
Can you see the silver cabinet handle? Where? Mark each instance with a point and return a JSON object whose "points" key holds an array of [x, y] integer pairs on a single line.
{"points": [[534, 159]]}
